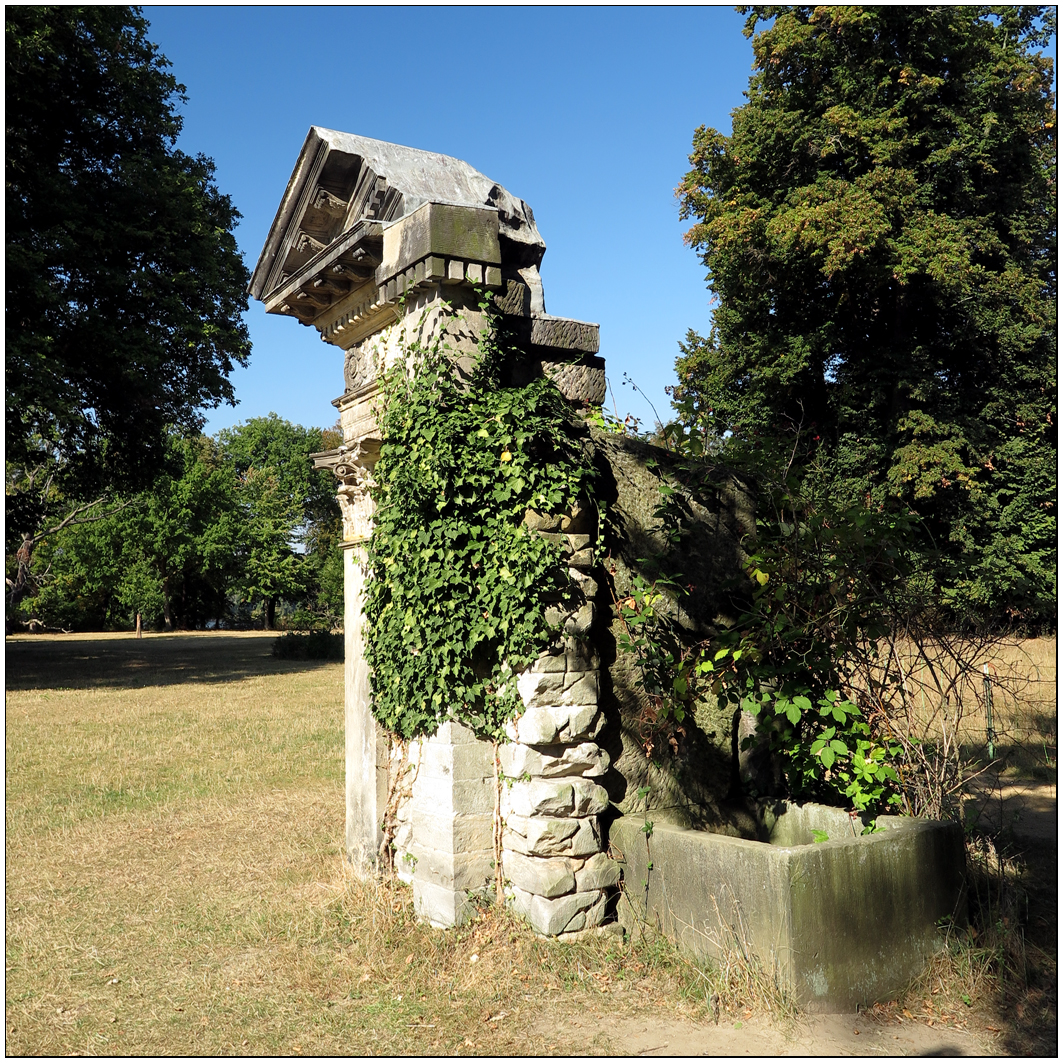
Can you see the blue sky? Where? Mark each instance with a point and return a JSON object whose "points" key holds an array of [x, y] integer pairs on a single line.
{"points": [[585, 113]]}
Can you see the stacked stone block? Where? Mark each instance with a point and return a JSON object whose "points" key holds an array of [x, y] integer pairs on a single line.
{"points": [[451, 814], [557, 876]]}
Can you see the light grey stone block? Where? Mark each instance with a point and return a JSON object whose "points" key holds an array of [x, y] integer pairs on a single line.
{"points": [[550, 662], [543, 836], [441, 795], [574, 722], [582, 690], [544, 725], [456, 871], [456, 734], [587, 585], [581, 621], [535, 688], [439, 906], [590, 916], [465, 762], [586, 758], [598, 872], [458, 832], [539, 797], [550, 916], [536, 727], [545, 876], [580, 655], [589, 798]]}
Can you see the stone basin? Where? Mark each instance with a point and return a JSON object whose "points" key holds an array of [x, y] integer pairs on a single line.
{"points": [[840, 923]]}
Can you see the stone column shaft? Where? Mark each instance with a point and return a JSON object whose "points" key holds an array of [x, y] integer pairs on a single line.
{"points": [[365, 747]]}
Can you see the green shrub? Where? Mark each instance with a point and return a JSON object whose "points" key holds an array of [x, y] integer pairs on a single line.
{"points": [[316, 646]]}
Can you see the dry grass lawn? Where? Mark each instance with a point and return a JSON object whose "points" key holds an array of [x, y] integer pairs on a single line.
{"points": [[175, 885], [175, 882]]}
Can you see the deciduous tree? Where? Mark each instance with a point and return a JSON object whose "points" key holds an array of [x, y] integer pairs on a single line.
{"points": [[292, 528], [125, 288], [879, 231]]}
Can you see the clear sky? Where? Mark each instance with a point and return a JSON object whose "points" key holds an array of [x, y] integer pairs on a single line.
{"points": [[587, 114]]}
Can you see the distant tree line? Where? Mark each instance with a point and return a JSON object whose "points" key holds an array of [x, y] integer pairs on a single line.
{"points": [[237, 530]]}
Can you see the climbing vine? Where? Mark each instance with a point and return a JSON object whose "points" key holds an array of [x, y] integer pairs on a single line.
{"points": [[455, 603]]}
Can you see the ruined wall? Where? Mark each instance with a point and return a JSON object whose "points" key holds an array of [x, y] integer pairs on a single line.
{"points": [[689, 783]]}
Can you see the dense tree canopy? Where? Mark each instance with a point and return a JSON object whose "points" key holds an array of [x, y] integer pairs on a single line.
{"points": [[292, 518], [171, 553], [125, 288], [233, 526], [880, 236]]}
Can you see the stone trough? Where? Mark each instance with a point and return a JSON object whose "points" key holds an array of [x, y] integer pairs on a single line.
{"points": [[840, 923]]}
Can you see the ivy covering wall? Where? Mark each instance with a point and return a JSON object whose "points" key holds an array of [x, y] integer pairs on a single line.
{"points": [[458, 583]]}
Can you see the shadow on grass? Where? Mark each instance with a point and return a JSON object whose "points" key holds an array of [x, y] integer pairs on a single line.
{"points": [[44, 663]]}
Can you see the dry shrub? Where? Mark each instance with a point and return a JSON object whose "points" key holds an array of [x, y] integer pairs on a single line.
{"points": [[927, 689], [991, 973]]}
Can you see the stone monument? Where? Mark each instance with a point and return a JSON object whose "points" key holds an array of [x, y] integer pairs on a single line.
{"points": [[375, 245]]}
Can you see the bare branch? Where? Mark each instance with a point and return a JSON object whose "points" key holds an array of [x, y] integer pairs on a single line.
{"points": [[74, 518]]}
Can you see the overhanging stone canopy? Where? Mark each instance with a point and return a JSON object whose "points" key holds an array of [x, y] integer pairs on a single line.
{"points": [[364, 223]]}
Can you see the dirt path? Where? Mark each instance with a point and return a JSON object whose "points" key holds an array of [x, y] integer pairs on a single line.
{"points": [[1024, 809], [820, 1035]]}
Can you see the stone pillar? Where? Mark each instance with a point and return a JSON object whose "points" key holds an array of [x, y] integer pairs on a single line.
{"points": [[365, 745], [552, 859], [386, 250], [451, 810]]}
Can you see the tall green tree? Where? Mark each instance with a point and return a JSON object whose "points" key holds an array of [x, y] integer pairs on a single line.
{"points": [[125, 288], [292, 519], [879, 231]]}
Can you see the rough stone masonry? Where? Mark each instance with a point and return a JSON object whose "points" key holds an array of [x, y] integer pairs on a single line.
{"points": [[372, 245]]}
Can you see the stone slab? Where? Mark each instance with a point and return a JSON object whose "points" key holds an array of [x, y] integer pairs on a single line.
{"points": [[469, 233]]}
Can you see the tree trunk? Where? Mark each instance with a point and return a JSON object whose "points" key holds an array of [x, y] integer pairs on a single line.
{"points": [[271, 613], [140, 634], [22, 584], [167, 608]]}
